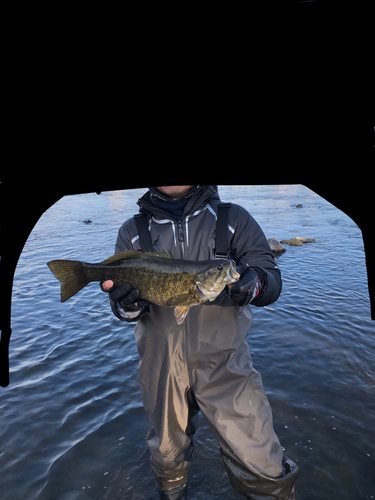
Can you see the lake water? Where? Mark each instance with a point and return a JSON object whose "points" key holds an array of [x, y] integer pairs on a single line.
{"points": [[72, 425]]}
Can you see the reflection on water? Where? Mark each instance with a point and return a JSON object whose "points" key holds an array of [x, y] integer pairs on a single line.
{"points": [[72, 422]]}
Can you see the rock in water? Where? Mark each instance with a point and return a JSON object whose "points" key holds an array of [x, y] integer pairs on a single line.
{"points": [[294, 242], [299, 205], [305, 240], [276, 246]]}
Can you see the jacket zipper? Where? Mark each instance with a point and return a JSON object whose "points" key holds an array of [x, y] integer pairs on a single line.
{"points": [[177, 228], [181, 238]]}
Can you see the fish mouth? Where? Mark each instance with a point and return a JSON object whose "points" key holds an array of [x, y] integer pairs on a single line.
{"points": [[199, 292]]}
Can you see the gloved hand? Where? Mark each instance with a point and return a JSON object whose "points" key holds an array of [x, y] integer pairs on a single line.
{"points": [[247, 288], [124, 300]]}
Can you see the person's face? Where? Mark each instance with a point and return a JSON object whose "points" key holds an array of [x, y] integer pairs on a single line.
{"points": [[174, 192]]}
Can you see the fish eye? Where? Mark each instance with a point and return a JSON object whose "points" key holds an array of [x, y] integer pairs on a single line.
{"points": [[219, 267]]}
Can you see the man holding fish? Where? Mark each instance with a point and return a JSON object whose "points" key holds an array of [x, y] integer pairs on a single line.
{"points": [[192, 319], [204, 363]]}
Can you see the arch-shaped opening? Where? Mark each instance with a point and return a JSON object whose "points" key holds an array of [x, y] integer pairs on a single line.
{"points": [[74, 366]]}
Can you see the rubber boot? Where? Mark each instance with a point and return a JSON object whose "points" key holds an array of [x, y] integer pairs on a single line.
{"points": [[292, 496], [179, 493], [290, 470]]}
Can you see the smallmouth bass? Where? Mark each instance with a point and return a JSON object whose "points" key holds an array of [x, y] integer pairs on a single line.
{"points": [[159, 277]]}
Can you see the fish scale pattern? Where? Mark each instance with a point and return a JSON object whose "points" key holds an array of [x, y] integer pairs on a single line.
{"points": [[163, 288]]}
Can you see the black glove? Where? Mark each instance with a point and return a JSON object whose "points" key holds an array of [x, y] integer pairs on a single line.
{"points": [[247, 288], [124, 302]]}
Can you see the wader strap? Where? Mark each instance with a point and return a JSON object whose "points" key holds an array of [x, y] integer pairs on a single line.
{"points": [[143, 232], [222, 244]]}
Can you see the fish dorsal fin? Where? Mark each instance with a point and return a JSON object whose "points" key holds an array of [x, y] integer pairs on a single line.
{"points": [[134, 254], [162, 254], [126, 255]]}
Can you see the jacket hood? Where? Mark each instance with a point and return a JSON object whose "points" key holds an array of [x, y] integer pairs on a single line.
{"points": [[198, 196]]}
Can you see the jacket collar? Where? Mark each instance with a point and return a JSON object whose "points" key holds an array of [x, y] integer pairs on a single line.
{"points": [[198, 196]]}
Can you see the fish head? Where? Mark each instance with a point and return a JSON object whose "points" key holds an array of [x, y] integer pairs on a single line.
{"points": [[212, 280]]}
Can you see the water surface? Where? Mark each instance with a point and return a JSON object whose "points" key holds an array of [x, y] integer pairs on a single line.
{"points": [[72, 425]]}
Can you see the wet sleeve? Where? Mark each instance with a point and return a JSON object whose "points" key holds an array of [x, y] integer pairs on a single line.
{"points": [[250, 246]]}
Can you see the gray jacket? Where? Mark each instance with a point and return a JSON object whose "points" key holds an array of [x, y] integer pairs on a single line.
{"points": [[193, 238]]}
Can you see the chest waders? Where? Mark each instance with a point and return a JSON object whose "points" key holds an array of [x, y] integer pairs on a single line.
{"points": [[228, 391]]}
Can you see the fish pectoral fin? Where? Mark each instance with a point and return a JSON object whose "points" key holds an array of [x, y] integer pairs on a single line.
{"points": [[180, 300], [180, 313]]}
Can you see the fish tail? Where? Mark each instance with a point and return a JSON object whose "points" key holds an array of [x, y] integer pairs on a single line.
{"points": [[71, 275]]}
